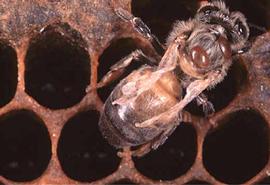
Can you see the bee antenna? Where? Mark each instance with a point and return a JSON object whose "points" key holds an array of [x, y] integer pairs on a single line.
{"points": [[259, 28]]}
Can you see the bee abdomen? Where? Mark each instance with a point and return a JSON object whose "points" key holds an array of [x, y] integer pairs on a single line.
{"points": [[117, 122], [117, 131]]}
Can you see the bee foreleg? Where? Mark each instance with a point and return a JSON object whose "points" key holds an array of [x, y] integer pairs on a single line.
{"points": [[119, 68], [141, 28]]}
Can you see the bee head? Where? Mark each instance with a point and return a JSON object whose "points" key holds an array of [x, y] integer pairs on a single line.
{"points": [[234, 23], [207, 48]]}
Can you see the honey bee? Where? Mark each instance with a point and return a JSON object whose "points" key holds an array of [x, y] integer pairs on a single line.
{"points": [[147, 105]]}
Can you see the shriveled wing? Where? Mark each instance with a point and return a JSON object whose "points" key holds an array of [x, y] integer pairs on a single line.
{"points": [[192, 91], [133, 89]]}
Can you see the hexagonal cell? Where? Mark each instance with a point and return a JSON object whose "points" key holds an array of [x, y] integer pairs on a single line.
{"points": [[237, 150], [57, 67], [224, 92], [171, 159], [117, 50], [8, 73], [25, 146], [83, 153], [160, 15]]}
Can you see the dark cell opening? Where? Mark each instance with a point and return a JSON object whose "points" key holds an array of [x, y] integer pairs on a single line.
{"points": [[57, 67], [256, 12], [8, 73], [160, 15], [123, 181], [116, 51], [197, 182], [173, 158], [25, 146], [224, 92], [237, 150], [83, 153]]}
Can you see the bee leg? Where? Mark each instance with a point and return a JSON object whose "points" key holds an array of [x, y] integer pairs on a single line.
{"points": [[160, 140], [119, 68], [163, 137], [141, 28], [144, 149], [208, 107]]}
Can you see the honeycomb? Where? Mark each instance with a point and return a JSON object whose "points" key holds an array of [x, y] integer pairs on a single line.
{"points": [[53, 53]]}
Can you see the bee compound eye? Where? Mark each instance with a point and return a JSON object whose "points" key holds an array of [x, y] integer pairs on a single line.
{"points": [[225, 47], [240, 28], [208, 9], [199, 57]]}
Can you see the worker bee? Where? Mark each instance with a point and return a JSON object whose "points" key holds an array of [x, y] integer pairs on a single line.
{"points": [[147, 105]]}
